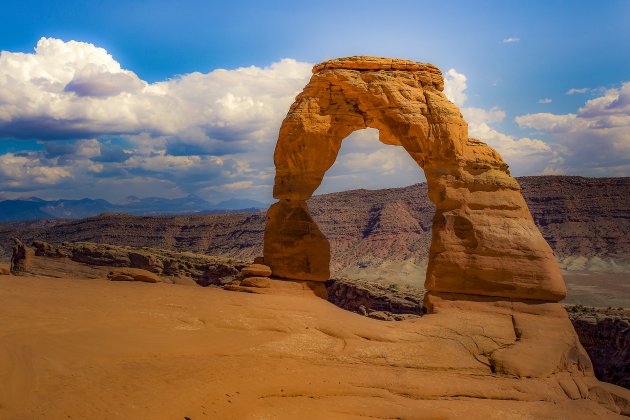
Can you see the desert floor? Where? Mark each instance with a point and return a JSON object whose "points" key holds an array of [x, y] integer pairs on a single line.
{"points": [[598, 289], [94, 349]]}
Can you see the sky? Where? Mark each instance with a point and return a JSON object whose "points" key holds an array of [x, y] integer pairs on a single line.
{"points": [[106, 99]]}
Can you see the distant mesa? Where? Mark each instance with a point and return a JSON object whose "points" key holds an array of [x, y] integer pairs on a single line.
{"points": [[484, 240]]}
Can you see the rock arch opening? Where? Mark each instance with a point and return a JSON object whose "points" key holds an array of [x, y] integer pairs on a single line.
{"points": [[484, 240], [379, 228], [364, 162]]}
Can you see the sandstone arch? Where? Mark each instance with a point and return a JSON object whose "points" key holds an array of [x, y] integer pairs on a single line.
{"points": [[484, 239]]}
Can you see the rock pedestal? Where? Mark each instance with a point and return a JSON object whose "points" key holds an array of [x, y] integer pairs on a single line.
{"points": [[21, 258], [484, 240], [294, 247]]}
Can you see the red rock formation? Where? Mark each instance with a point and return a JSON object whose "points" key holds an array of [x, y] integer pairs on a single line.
{"points": [[21, 258], [484, 238]]}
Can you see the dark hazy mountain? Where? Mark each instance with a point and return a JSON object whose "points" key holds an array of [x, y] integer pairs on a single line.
{"points": [[34, 208], [21, 210]]}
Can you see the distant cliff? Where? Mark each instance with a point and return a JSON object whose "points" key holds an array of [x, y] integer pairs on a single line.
{"points": [[585, 220]]}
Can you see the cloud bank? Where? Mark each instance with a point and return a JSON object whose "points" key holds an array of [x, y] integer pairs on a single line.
{"points": [[195, 131], [78, 124]]}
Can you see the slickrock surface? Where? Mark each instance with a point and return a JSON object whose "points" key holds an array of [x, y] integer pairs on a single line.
{"points": [[160, 351], [604, 333], [484, 239]]}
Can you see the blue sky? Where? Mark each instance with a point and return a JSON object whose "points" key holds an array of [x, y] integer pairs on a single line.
{"points": [[136, 106]]}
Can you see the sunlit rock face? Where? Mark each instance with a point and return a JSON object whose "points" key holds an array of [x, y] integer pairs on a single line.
{"points": [[484, 238]]}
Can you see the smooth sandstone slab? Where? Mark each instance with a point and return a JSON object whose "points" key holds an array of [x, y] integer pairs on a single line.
{"points": [[218, 354], [484, 240]]}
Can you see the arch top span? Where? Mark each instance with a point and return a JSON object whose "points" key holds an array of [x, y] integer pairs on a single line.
{"points": [[367, 63], [400, 98], [484, 239]]}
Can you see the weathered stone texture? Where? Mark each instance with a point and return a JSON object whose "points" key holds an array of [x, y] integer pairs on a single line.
{"points": [[484, 238], [21, 258]]}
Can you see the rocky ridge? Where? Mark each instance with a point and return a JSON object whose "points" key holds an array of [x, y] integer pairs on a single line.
{"points": [[368, 238], [171, 266]]}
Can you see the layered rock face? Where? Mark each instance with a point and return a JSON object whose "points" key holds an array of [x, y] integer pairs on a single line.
{"points": [[484, 238]]}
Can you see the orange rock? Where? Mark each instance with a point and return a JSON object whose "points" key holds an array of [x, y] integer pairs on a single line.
{"points": [[257, 270], [133, 274], [5, 269], [21, 258], [544, 341], [484, 242], [294, 247], [260, 282]]}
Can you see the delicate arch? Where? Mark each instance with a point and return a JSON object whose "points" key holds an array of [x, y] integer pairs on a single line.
{"points": [[484, 239]]}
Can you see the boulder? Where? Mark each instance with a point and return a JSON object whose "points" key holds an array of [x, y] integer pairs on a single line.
{"points": [[146, 262], [96, 254], [22, 257], [44, 249], [256, 270], [133, 274], [5, 269], [260, 282]]}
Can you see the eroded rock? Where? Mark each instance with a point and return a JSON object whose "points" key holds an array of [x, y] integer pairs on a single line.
{"points": [[21, 258], [44, 249], [178, 267], [256, 270], [260, 282], [133, 274], [484, 238]]}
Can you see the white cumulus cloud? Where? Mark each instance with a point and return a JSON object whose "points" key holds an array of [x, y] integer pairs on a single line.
{"points": [[455, 87], [524, 155], [596, 139], [76, 90], [96, 117]]}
